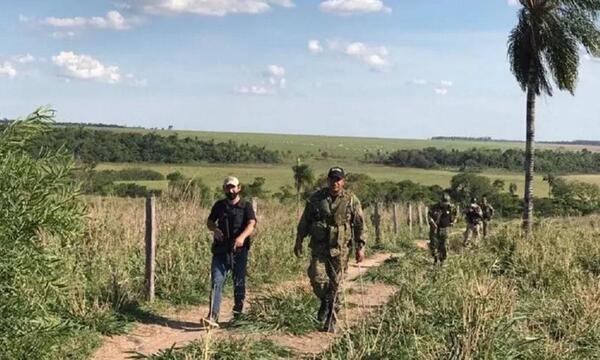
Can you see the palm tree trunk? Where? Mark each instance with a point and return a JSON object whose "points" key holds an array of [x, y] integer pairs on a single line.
{"points": [[529, 161]]}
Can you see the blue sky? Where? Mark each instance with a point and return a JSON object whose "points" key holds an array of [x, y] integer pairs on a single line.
{"points": [[385, 68]]}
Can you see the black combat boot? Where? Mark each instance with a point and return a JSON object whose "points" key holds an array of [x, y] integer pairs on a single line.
{"points": [[323, 310]]}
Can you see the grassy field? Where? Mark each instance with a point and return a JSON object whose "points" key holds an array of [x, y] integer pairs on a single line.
{"points": [[281, 175], [344, 146]]}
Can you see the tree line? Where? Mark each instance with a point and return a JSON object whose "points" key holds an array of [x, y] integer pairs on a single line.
{"points": [[93, 146], [547, 161]]}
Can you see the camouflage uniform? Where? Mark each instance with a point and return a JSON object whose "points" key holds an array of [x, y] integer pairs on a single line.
{"points": [[488, 212], [474, 217], [333, 224], [441, 217]]}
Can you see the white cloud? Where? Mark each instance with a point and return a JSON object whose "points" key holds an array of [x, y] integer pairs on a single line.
{"points": [[446, 83], [135, 81], [441, 91], [351, 7], [84, 67], [419, 82], [113, 21], [276, 70], [513, 2], [253, 90], [315, 47], [24, 59], [63, 34], [208, 7], [8, 70], [376, 57], [273, 81]]}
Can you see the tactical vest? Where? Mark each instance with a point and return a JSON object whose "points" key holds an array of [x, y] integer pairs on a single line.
{"points": [[331, 227], [444, 215]]}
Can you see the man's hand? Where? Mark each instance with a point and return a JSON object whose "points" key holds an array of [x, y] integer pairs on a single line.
{"points": [[298, 249], [360, 255], [218, 234], [239, 243]]}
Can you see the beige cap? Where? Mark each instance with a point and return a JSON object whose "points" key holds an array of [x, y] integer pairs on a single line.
{"points": [[231, 180]]}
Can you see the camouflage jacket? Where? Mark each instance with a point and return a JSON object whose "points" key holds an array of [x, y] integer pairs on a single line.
{"points": [[442, 215], [488, 211], [332, 223], [474, 214]]}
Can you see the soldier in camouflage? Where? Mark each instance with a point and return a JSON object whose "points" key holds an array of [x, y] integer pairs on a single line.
{"points": [[441, 216], [474, 217], [333, 219], [488, 211]]}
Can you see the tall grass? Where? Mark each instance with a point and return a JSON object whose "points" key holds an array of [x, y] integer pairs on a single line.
{"points": [[511, 298]]}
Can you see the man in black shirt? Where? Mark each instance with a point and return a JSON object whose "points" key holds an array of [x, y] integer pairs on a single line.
{"points": [[232, 221]]}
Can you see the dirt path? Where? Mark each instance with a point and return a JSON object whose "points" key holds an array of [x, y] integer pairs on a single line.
{"points": [[182, 327]]}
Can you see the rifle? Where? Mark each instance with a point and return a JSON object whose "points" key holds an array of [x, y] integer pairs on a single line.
{"points": [[230, 242]]}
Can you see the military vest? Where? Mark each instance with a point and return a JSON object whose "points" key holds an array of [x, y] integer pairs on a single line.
{"points": [[444, 214], [331, 221]]}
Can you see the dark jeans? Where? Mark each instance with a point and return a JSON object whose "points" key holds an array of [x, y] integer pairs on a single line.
{"points": [[219, 268]]}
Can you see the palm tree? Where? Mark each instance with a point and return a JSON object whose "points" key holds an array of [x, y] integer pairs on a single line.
{"points": [[546, 42], [303, 177]]}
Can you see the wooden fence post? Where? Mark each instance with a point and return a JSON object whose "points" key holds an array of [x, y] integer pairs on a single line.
{"points": [[410, 218], [395, 217], [376, 220], [150, 246], [420, 213], [255, 206]]}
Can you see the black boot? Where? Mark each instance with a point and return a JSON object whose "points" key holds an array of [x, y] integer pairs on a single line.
{"points": [[323, 310], [330, 322]]}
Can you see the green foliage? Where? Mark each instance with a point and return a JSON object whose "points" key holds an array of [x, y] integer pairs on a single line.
{"points": [[291, 311], [553, 161], [255, 189], [108, 146], [41, 219]]}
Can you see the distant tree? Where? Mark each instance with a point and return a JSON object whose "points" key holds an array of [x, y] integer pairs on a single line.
{"points": [[546, 41], [303, 177]]}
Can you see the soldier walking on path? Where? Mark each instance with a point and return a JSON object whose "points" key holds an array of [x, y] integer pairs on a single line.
{"points": [[474, 217], [488, 211], [441, 216], [232, 221], [333, 219]]}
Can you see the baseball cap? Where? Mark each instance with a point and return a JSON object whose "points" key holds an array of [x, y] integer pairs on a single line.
{"points": [[231, 180], [336, 172]]}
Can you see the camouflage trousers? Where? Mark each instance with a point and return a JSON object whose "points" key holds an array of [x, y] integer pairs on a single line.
{"points": [[437, 243], [472, 231], [486, 227], [326, 274]]}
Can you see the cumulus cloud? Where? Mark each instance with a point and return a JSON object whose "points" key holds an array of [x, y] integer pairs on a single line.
{"points": [[7, 70], [273, 80], [85, 67], [351, 7], [315, 47], [441, 87], [441, 91], [446, 83], [113, 20], [208, 7]]}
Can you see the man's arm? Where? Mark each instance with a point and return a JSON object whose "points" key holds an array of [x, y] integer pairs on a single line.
{"points": [[211, 224], [303, 230], [359, 229], [239, 241]]}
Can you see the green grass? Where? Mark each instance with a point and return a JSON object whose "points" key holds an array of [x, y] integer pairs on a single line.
{"points": [[236, 349], [513, 298], [291, 311], [341, 146]]}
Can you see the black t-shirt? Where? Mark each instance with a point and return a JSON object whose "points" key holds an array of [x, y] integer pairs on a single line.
{"points": [[232, 220]]}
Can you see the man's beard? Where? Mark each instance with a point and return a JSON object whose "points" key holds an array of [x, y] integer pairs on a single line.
{"points": [[231, 196]]}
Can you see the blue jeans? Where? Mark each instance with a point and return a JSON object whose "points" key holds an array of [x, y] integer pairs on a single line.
{"points": [[219, 268]]}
